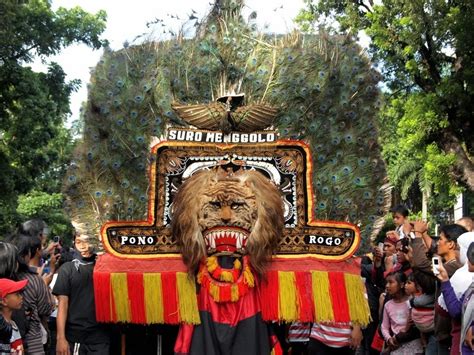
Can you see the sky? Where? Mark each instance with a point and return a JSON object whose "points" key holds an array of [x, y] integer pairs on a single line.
{"points": [[128, 19]]}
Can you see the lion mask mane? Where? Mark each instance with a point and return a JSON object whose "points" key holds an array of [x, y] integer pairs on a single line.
{"points": [[245, 205]]}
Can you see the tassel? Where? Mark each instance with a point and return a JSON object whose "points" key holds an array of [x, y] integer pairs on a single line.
{"points": [[357, 300], [248, 276], [305, 296], [214, 291], [237, 264], [337, 286], [188, 308], [269, 296], [288, 302], [212, 263], [137, 294], [170, 298], [234, 293], [226, 276], [120, 294], [321, 296], [153, 298], [102, 297]]}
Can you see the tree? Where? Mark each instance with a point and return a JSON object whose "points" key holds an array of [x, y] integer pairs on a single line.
{"points": [[48, 207], [34, 144], [425, 49]]}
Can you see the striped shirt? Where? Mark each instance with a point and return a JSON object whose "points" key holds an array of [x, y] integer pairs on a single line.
{"points": [[423, 318], [335, 335], [299, 332], [38, 301]]}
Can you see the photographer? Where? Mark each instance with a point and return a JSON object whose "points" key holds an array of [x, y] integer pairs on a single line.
{"points": [[385, 259], [446, 248]]}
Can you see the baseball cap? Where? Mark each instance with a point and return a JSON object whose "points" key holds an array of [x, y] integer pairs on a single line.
{"points": [[8, 286]]}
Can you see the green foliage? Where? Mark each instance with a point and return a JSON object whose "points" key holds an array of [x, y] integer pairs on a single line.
{"points": [[34, 144], [426, 52], [37, 204], [48, 207], [33, 28]]}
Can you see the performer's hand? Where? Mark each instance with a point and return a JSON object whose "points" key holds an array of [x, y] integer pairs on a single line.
{"points": [[62, 347], [356, 337]]}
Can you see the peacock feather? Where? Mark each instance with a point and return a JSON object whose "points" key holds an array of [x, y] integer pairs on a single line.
{"points": [[316, 88]]}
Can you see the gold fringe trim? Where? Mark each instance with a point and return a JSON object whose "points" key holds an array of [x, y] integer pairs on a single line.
{"points": [[188, 307], [288, 299], [321, 296], [357, 300], [120, 291], [153, 297]]}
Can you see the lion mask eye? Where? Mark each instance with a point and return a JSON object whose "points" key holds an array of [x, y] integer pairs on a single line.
{"points": [[237, 205], [215, 204]]}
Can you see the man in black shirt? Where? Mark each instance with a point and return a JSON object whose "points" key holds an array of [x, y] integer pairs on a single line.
{"points": [[77, 329]]}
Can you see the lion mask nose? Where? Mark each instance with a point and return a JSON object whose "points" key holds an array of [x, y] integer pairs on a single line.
{"points": [[226, 214]]}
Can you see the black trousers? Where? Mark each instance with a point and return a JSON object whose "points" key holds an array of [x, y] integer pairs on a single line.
{"points": [[91, 349], [318, 348], [299, 348]]}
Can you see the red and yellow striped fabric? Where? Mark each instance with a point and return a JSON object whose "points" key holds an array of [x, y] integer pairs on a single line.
{"points": [[294, 289]]}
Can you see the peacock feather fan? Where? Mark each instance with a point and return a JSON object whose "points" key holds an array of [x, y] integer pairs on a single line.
{"points": [[322, 88]]}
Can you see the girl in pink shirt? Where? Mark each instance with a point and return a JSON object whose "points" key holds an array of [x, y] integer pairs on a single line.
{"points": [[400, 338]]}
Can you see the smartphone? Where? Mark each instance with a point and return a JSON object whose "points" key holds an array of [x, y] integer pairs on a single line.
{"points": [[56, 239], [435, 262], [405, 244], [380, 246]]}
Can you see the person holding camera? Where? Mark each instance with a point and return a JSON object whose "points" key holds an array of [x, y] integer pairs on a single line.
{"points": [[447, 250], [460, 305]]}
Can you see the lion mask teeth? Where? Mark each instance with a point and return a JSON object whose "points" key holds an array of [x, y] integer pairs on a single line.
{"points": [[227, 239]]}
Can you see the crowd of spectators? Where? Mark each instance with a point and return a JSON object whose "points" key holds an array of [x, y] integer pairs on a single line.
{"points": [[420, 290], [46, 295]]}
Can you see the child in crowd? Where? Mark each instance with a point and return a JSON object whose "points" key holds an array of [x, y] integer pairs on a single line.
{"points": [[400, 338], [422, 311], [10, 300], [400, 217]]}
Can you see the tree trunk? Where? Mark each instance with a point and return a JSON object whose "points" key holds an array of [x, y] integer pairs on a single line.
{"points": [[424, 205], [464, 167]]}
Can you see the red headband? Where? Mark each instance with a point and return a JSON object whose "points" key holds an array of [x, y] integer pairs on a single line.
{"points": [[391, 239]]}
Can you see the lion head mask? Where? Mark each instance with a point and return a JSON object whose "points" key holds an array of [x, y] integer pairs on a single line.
{"points": [[221, 213]]}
